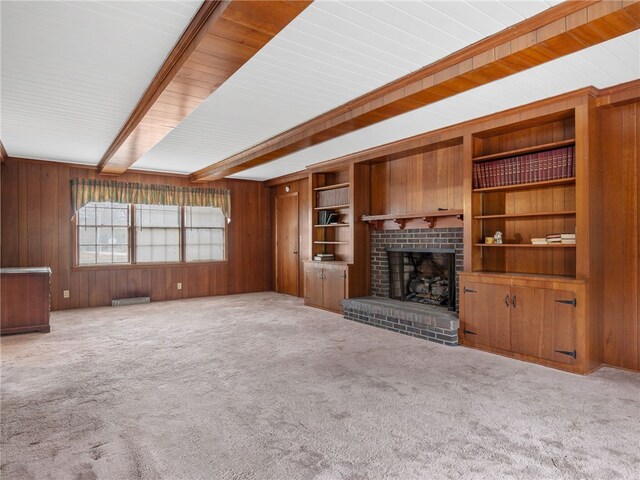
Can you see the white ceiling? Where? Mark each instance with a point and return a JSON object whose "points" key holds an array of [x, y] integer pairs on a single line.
{"points": [[72, 72], [333, 52]]}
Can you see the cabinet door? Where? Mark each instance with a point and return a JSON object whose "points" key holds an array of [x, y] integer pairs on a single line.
{"points": [[527, 316], [485, 310], [313, 286], [334, 288], [559, 326]]}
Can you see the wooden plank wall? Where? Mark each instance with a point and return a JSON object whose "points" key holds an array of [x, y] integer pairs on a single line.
{"points": [[620, 144], [36, 231], [304, 224], [419, 183]]}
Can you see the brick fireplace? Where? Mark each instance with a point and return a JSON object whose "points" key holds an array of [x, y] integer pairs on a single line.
{"points": [[384, 309]]}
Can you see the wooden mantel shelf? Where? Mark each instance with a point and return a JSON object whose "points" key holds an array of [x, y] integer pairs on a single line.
{"points": [[377, 221]]}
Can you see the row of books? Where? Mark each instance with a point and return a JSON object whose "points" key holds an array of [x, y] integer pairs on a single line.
{"points": [[533, 167], [329, 198], [562, 238]]}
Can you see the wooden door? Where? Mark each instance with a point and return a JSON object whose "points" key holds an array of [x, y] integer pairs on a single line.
{"points": [[527, 312], [313, 283], [287, 241], [334, 288], [485, 312], [559, 326]]}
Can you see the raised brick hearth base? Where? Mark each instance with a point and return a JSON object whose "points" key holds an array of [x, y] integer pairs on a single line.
{"points": [[423, 321]]}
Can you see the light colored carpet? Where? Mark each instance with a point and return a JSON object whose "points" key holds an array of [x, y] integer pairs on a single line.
{"points": [[260, 387]]}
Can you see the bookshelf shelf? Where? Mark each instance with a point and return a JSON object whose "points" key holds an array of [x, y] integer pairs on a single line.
{"points": [[333, 207], [525, 245], [524, 151], [332, 187], [321, 242], [564, 213], [332, 225], [527, 186]]}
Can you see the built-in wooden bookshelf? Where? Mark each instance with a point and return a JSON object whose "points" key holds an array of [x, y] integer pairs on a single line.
{"points": [[339, 198], [521, 206]]}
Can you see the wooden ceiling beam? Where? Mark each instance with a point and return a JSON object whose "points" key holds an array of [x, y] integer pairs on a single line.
{"points": [[566, 28], [223, 36]]}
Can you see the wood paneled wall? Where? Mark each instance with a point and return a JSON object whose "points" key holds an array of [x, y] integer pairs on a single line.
{"points": [[304, 222], [619, 146], [37, 231], [419, 183]]}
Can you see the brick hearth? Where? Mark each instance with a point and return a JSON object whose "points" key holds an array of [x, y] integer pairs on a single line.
{"points": [[422, 321]]}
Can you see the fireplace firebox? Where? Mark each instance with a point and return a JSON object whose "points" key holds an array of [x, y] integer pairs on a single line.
{"points": [[426, 276]]}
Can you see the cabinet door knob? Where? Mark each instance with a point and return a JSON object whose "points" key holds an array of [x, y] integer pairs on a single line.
{"points": [[513, 301], [506, 301], [295, 252]]}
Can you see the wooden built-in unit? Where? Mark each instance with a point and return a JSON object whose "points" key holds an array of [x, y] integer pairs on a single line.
{"points": [[572, 307], [37, 231], [345, 193]]}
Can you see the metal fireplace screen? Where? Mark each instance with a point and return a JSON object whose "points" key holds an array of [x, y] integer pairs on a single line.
{"points": [[423, 276]]}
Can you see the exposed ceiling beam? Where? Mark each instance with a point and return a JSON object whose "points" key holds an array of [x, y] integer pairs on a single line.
{"points": [[3, 153], [566, 28], [222, 37]]}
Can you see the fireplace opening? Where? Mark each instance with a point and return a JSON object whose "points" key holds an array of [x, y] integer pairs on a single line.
{"points": [[424, 276]]}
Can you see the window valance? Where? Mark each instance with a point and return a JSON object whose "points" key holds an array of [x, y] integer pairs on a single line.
{"points": [[85, 190]]}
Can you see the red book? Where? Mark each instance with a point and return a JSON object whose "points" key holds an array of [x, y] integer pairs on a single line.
{"points": [[572, 165], [474, 175], [555, 173]]}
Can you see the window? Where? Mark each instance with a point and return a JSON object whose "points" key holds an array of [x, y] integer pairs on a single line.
{"points": [[108, 233], [157, 233], [103, 233], [204, 234]]}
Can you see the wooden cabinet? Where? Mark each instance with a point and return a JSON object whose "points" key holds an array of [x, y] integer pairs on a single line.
{"points": [[528, 318], [339, 199], [487, 312], [325, 285], [26, 294]]}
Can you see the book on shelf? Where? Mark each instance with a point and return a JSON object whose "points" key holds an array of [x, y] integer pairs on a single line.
{"points": [[554, 238], [324, 257], [568, 238], [539, 241]]}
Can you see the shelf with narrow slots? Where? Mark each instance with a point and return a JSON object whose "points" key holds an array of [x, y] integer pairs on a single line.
{"points": [[561, 213], [524, 151], [323, 242], [526, 245], [332, 187], [332, 225], [527, 186]]}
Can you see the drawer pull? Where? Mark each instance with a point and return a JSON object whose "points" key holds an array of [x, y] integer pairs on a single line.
{"points": [[468, 290], [506, 300]]}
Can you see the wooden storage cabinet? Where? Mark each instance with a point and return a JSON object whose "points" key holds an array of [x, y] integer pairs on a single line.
{"points": [[529, 318], [325, 285], [26, 298]]}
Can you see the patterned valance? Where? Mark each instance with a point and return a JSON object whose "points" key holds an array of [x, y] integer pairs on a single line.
{"points": [[84, 190]]}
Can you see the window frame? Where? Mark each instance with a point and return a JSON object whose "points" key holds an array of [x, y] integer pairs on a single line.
{"points": [[76, 266]]}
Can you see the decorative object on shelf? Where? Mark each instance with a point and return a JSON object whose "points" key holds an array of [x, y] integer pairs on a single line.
{"points": [[489, 240], [498, 237]]}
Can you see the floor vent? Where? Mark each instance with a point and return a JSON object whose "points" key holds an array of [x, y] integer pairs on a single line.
{"points": [[129, 301]]}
